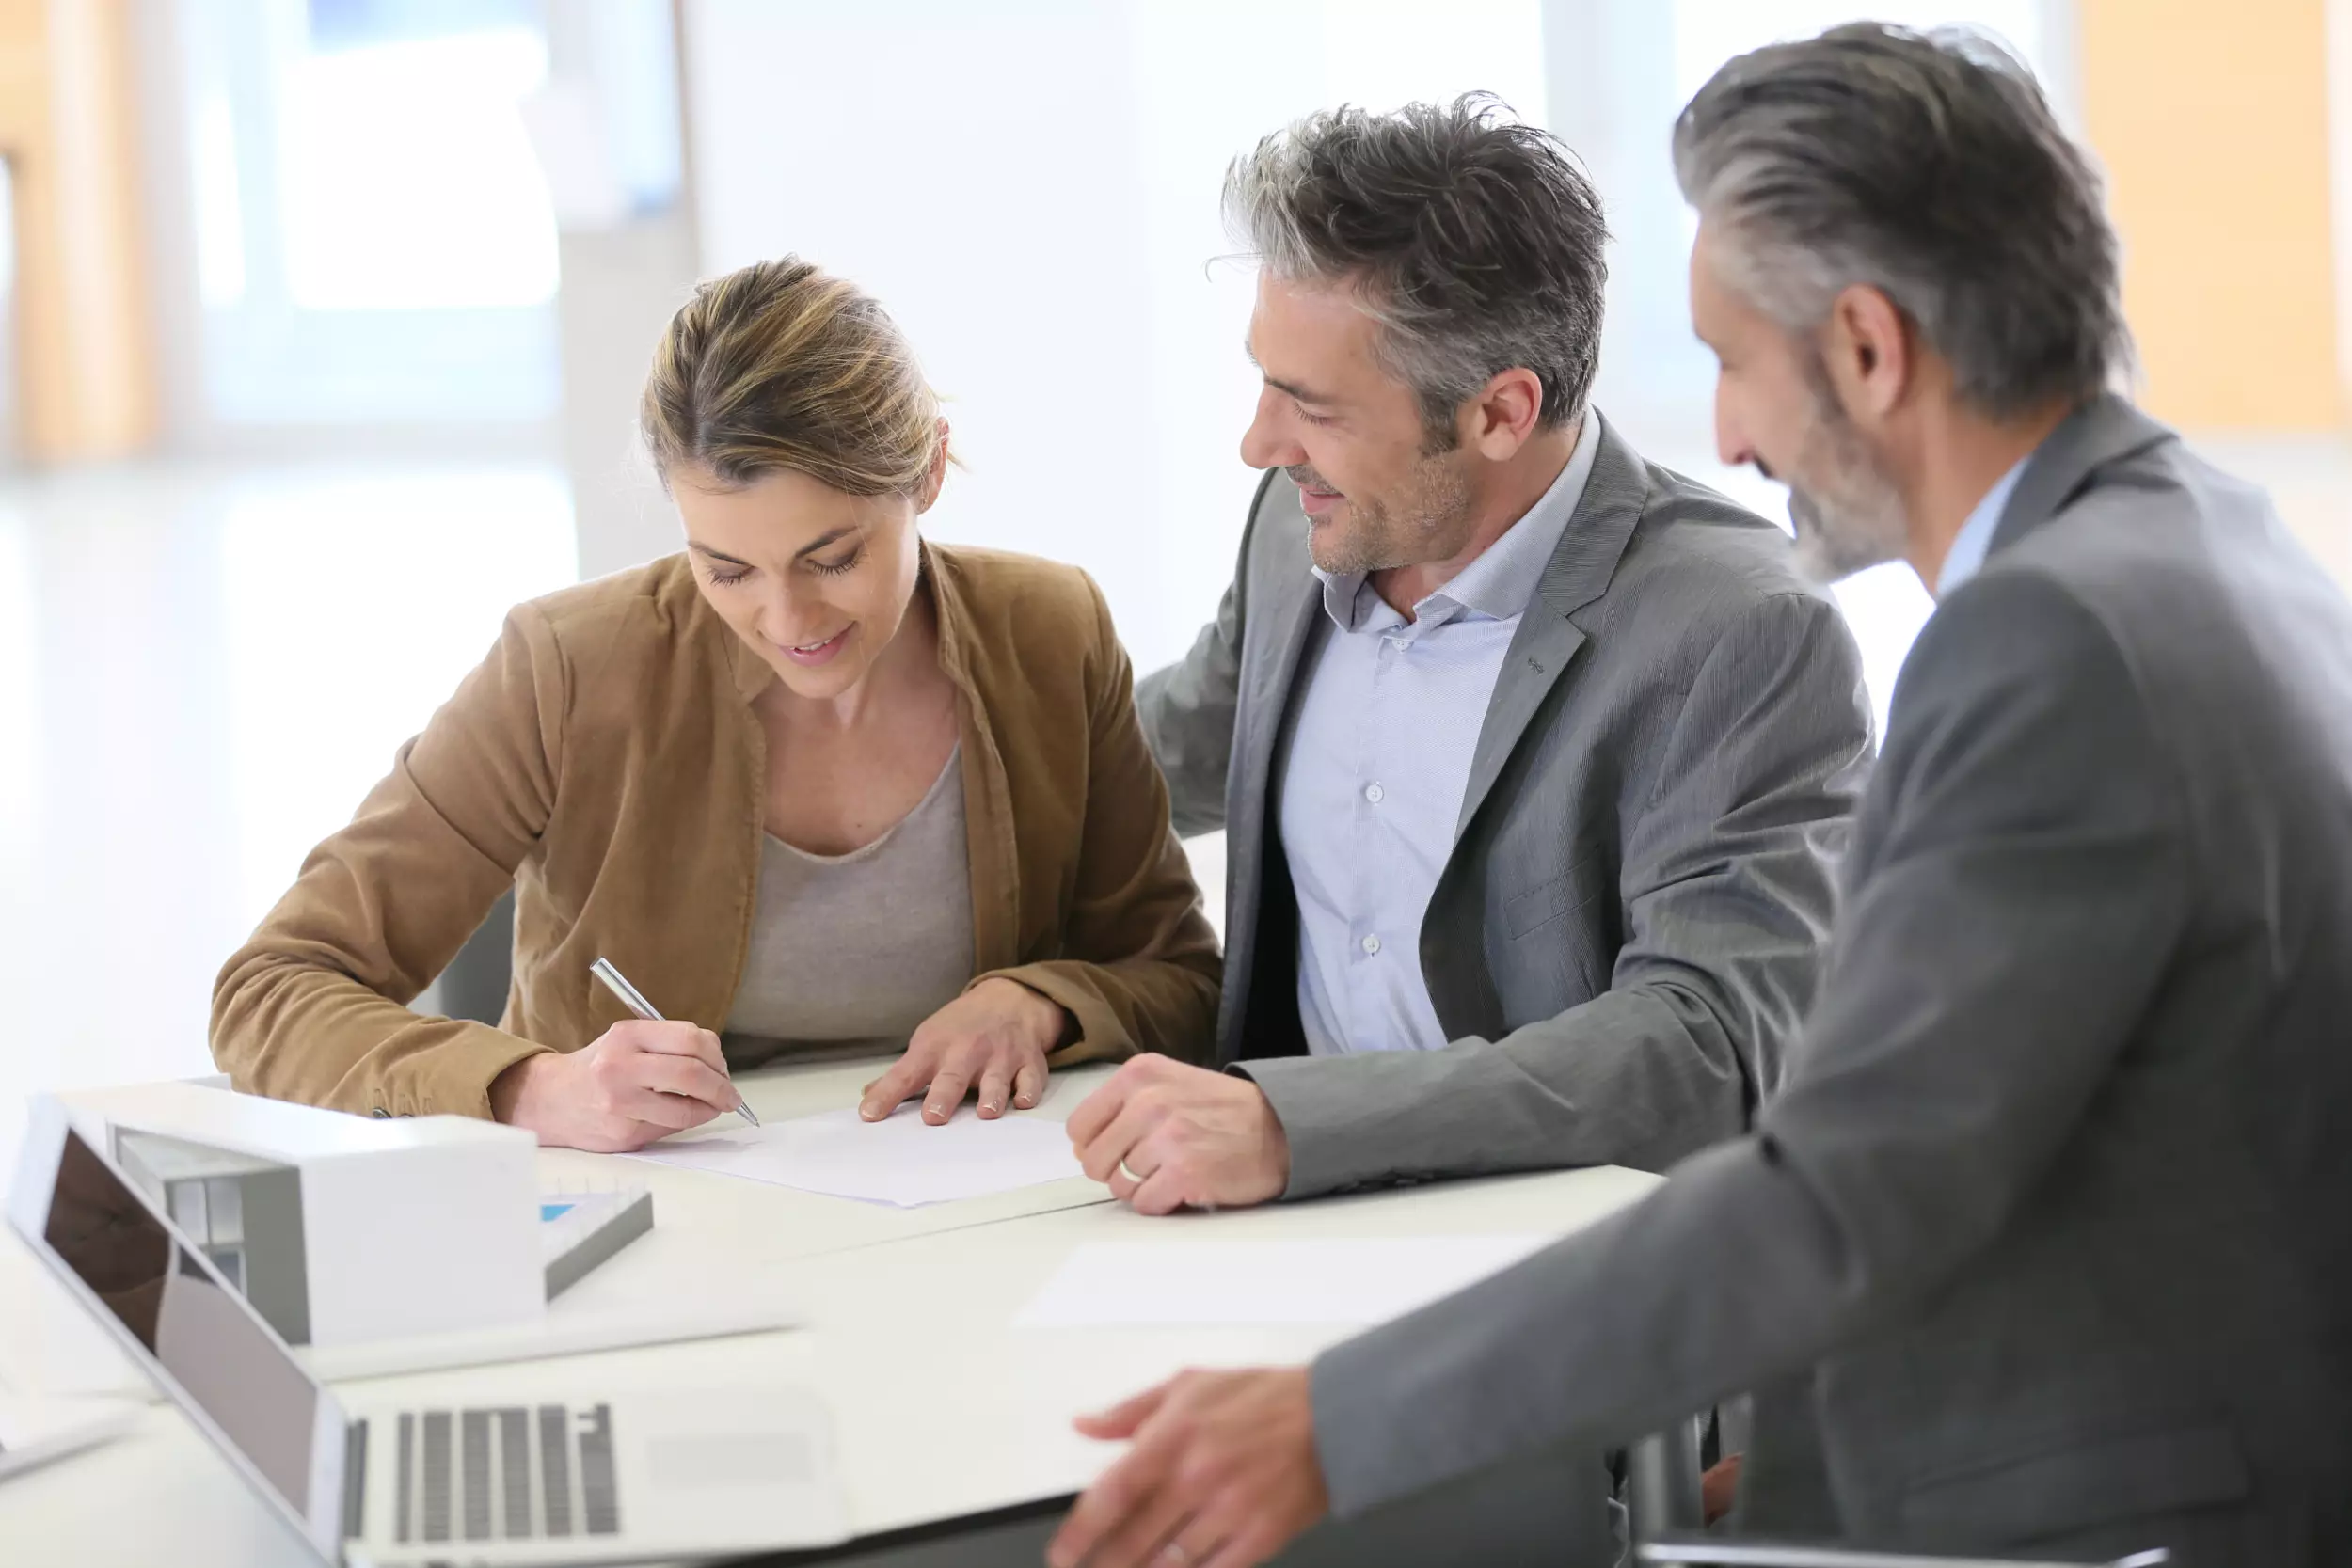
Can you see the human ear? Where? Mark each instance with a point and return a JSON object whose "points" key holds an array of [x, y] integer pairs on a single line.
{"points": [[937, 477], [1867, 349], [1504, 413]]}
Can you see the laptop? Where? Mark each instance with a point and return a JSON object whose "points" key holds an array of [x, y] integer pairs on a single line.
{"points": [[602, 1475]]}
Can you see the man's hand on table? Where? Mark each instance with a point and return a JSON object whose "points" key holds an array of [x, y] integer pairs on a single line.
{"points": [[1222, 1474], [994, 1036], [1164, 1136]]}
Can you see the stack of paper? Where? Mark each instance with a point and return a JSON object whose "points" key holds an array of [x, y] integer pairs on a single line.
{"points": [[902, 1160]]}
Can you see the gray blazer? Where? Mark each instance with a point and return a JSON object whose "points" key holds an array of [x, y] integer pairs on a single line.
{"points": [[2043, 1244], [1639, 895]]}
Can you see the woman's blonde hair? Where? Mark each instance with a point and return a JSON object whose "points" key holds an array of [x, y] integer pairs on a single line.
{"points": [[782, 366]]}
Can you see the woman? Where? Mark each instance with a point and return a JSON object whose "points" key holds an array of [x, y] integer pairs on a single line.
{"points": [[811, 782]]}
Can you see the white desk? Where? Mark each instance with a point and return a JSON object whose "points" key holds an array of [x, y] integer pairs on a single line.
{"points": [[723, 1232], [942, 1409]]}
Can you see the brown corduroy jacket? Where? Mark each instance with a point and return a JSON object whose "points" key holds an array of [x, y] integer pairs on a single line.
{"points": [[604, 761]]}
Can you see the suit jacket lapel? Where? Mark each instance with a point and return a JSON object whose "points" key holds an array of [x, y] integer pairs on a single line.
{"points": [[1547, 639], [1290, 618]]}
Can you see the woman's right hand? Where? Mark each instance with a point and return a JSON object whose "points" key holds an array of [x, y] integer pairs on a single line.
{"points": [[639, 1081]]}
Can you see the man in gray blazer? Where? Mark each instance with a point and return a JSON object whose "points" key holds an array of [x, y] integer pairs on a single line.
{"points": [[2041, 1246], [1532, 754]]}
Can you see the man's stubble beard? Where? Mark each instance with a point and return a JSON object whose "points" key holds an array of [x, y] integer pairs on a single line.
{"points": [[1431, 521], [1846, 510]]}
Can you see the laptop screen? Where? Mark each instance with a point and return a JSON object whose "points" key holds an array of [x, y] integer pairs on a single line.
{"points": [[228, 1361]]}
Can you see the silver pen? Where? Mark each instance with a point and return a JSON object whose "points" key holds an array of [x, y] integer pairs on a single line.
{"points": [[617, 982]]}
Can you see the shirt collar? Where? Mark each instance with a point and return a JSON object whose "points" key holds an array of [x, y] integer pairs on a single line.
{"points": [[1965, 559], [1498, 584]]}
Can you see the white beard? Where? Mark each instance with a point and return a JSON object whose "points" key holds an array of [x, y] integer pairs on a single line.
{"points": [[1846, 511], [1839, 539]]}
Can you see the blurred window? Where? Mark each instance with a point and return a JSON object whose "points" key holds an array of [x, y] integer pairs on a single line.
{"points": [[373, 238]]}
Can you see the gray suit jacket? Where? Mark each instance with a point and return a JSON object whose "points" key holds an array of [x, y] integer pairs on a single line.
{"points": [[2045, 1237], [1639, 895]]}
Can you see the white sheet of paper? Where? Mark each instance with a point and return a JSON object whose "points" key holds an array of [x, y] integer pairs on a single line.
{"points": [[1218, 1284], [898, 1160]]}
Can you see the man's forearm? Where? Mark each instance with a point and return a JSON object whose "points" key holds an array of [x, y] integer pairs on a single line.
{"points": [[1493, 1370], [1638, 1077]]}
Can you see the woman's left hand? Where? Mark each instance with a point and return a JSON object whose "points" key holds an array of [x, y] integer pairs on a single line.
{"points": [[994, 1036]]}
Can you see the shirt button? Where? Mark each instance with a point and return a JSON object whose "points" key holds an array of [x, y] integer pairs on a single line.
{"points": [[1374, 794], [1372, 946]]}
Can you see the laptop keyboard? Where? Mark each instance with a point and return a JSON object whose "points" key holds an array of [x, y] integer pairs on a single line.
{"points": [[509, 1473]]}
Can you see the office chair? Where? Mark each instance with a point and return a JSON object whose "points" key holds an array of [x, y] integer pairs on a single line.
{"points": [[1663, 1483], [474, 985]]}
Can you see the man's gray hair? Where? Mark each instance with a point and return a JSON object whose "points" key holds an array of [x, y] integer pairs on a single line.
{"points": [[1926, 164], [1474, 241]]}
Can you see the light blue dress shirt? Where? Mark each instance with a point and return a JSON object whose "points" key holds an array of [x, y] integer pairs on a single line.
{"points": [[1378, 764], [1969, 545]]}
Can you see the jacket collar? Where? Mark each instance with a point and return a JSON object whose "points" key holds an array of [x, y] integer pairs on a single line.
{"points": [[2105, 429], [1595, 540]]}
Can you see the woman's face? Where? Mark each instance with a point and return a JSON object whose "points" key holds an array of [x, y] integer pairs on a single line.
{"points": [[817, 581]]}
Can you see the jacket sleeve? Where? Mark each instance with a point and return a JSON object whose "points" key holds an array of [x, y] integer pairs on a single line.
{"points": [[1139, 962], [1727, 887], [2023, 898], [314, 1007], [1187, 710]]}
